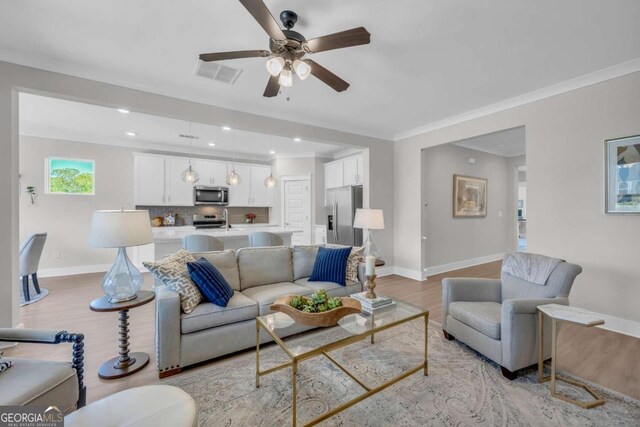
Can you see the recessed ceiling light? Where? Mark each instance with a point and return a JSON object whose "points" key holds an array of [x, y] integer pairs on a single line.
{"points": [[212, 144], [123, 111], [226, 128], [297, 139], [272, 152], [132, 133]]}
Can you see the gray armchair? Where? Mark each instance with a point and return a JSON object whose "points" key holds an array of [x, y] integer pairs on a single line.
{"points": [[498, 318], [30, 253], [40, 382]]}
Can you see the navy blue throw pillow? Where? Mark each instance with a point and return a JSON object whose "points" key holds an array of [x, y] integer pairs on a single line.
{"points": [[210, 281], [330, 265]]}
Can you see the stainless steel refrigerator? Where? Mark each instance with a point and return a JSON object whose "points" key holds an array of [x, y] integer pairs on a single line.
{"points": [[340, 210]]}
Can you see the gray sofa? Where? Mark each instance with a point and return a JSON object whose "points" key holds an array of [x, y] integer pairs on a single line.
{"points": [[258, 276], [498, 318]]}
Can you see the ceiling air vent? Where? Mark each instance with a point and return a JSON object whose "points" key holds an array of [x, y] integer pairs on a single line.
{"points": [[215, 71], [182, 135]]}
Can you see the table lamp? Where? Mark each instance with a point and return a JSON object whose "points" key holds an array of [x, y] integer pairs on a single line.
{"points": [[371, 219], [121, 229]]}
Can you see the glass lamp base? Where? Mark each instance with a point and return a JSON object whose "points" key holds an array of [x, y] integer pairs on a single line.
{"points": [[123, 280], [370, 247]]}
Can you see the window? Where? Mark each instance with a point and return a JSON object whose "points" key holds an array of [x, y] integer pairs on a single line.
{"points": [[623, 175], [70, 176]]}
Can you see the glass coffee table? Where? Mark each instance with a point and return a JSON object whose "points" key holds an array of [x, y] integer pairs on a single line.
{"points": [[350, 329]]}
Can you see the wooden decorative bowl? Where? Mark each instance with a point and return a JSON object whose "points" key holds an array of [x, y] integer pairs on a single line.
{"points": [[328, 318]]}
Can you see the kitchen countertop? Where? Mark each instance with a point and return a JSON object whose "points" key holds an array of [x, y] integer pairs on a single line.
{"points": [[168, 234]]}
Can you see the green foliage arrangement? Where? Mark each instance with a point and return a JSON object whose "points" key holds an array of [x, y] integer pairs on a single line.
{"points": [[70, 180], [319, 302]]}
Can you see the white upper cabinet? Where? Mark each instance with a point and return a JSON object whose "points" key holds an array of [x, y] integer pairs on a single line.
{"points": [[342, 172], [177, 192], [212, 173], [239, 194], [149, 180], [260, 194], [219, 174]]}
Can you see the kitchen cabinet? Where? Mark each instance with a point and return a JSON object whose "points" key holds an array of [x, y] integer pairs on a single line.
{"points": [[149, 180], [260, 195], [177, 192], [333, 175], [239, 194], [352, 170], [212, 173], [342, 172]]}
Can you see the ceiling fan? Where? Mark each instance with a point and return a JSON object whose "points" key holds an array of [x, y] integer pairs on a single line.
{"points": [[288, 49]]}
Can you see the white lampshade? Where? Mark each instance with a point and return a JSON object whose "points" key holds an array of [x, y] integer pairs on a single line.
{"points": [[275, 65], [372, 219], [286, 78], [302, 69], [117, 229]]}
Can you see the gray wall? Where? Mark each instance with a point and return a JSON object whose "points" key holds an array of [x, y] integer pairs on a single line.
{"points": [[565, 188], [15, 78], [451, 240]]}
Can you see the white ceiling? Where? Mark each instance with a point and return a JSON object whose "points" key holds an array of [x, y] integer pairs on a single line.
{"points": [[428, 59], [505, 143], [73, 121]]}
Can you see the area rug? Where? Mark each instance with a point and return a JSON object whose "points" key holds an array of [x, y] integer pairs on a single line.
{"points": [[463, 388]]}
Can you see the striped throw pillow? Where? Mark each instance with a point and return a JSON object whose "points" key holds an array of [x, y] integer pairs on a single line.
{"points": [[330, 265], [210, 282]]}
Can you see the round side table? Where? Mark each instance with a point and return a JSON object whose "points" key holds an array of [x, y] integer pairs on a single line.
{"points": [[126, 363]]}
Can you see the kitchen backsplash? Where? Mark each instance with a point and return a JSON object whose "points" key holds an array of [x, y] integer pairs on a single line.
{"points": [[185, 213]]}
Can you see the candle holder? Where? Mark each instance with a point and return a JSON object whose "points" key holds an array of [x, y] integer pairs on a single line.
{"points": [[370, 284]]}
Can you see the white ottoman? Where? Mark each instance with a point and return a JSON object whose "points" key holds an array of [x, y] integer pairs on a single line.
{"points": [[148, 406]]}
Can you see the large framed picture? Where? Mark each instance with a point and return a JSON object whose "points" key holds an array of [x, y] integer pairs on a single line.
{"points": [[469, 196], [70, 176], [622, 170]]}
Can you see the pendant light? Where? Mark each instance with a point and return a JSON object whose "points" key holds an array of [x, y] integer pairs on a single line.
{"points": [[271, 181], [189, 175], [233, 178]]}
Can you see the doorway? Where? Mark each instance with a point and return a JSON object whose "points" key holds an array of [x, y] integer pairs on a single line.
{"points": [[296, 207], [522, 208]]}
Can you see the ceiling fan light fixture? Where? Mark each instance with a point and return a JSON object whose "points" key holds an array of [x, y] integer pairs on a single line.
{"points": [[286, 77], [302, 69], [275, 65]]}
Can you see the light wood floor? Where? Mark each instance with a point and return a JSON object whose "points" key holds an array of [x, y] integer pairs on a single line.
{"points": [[604, 357]]}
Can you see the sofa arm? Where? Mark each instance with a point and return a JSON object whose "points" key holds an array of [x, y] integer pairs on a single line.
{"points": [[168, 335], [468, 289], [38, 336], [520, 334]]}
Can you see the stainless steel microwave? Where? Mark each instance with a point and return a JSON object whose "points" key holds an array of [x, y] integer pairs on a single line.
{"points": [[211, 195]]}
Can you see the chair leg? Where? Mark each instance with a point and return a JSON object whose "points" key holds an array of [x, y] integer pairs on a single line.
{"points": [[25, 288], [36, 285], [448, 336], [508, 374]]}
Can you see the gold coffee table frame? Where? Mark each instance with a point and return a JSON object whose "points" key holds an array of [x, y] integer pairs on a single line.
{"points": [[324, 351]]}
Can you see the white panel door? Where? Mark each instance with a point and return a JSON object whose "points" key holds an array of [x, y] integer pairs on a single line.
{"points": [[149, 180], [260, 195], [239, 194], [219, 174], [297, 210], [178, 192], [350, 171], [204, 169]]}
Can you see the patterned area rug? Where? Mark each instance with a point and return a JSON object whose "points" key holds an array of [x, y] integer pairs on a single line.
{"points": [[462, 388]]}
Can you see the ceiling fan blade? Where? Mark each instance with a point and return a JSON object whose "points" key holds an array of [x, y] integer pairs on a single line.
{"points": [[273, 87], [354, 37], [221, 56], [259, 11], [327, 76]]}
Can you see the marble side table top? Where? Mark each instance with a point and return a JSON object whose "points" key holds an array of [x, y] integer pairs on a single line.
{"points": [[575, 315]]}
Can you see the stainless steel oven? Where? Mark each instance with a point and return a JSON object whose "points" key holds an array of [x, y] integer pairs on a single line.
{"points": [[211, 195]]}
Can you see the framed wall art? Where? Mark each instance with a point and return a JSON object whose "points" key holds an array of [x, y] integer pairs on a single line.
{"points": [[469, 197], [622, 175]]}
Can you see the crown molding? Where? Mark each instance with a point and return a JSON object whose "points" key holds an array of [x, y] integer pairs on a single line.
{"points": [[536, 95]]}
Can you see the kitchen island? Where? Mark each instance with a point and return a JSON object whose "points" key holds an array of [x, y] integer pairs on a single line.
{"points": [[168, 240]]}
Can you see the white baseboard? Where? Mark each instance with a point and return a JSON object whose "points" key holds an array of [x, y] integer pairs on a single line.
{"points": [[384, 271], [439, 269], [408, 273], [68, 271]]}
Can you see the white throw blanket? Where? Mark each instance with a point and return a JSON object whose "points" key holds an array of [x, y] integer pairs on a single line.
{"points": [[530, 267]]}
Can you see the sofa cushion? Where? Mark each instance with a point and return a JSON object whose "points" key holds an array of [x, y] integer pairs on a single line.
{"points": [[482, 316], [333, 289], [208, 315], [210, 282], [331, 265], [40, 382], [267, 294], [172, 271], [264, 266], [226, 263], [304, 257]]}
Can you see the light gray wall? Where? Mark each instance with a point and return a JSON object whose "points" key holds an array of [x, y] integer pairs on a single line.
{"points": [[449, 239], [565, 188], [67, 218], [15, 78]]}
